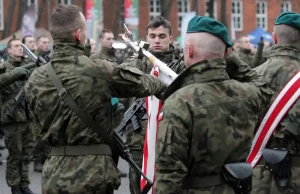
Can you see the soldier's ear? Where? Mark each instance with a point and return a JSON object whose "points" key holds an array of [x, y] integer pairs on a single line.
{"points": [[191, 50], [78, 34], [171, 38]]}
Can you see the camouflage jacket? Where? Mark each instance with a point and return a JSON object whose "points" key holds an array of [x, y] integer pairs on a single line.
{"points": [[6, 79], [207, 121], [283, 63], [246, 55], [8, 94], [45, 55], [105, 53], [167, 57], [91, 86]]}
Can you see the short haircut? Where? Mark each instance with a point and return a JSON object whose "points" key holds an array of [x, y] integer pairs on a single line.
{"points": [[287, 35], [24, 38], [64, 20], [206, 44], [101, 35], [160, 21], [10, 41], [42, 36]]}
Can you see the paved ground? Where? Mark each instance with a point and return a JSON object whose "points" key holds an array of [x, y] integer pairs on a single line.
{"points": [[36, 177]]}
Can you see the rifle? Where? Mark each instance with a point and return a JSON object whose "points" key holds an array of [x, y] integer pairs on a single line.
{"points": [[21, 94], [134, 114], [123, 152]]}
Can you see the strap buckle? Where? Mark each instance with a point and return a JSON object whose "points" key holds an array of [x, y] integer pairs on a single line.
{"points": [[62, 93]]}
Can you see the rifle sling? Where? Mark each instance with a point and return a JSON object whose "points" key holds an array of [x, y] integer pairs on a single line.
{"points": [[85, 118]]}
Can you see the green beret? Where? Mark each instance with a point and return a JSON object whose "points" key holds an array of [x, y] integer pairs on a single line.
{"points": [[289, 18], [209, 25]]}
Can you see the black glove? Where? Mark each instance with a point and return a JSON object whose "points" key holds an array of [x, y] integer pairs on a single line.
{"points": [[87, 48], [20, 73]]}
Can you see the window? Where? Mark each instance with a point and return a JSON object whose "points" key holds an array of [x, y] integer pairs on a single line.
{"points": [[36, 10], [64, 2], [261, 14], [237, 14], [215, 8], [183, 8], [1, 15], [286, 6], [154, 9]]}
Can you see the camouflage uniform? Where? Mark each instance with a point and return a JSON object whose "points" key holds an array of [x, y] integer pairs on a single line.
{"points": [[18, 135], [105, 53], [246, 55], [91, 86], [43, 54], [208, 121], [135, 139], [7, 79], [109, 53], [283, 63], [41, 149]]}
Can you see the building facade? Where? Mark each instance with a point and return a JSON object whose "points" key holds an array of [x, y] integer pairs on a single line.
{"points": [[240, 16]]}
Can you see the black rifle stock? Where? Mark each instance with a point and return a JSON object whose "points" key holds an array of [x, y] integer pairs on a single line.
{"points": [[133, 115]]}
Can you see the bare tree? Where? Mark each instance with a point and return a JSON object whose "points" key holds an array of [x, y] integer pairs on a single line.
{"points": [[165, 7], [210, 8], [195, 6], [119, 16], [8, 22], [40, 12], [223, 12], [22, 8]]}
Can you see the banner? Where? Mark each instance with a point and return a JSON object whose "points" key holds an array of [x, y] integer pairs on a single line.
{"points": [[28, 22], [131, 14], [94, 18], [153, 106]]}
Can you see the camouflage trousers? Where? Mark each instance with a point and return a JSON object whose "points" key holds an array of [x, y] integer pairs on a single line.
{"points": [[80, 174], [41, 149], [263, 182], [135, 142], [19, 142]]}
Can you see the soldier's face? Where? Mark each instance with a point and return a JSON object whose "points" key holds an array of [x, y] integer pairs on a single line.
{"points": [[245, 43], [107, 40], [43, 44], [16, 49], [30, 43], [159, 39]]}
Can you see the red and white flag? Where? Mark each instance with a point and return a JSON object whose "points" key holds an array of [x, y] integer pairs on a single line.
{"points": [[281, 105], [154, 106]]}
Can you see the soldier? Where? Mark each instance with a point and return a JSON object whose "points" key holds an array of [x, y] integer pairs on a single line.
{"points": [[29, 42], [159, 37], [10, 77], [244, 49], [42, 44], [41, 149], [18, 135], [207, 119], [69, 170], [107, 51], [282, 64]]}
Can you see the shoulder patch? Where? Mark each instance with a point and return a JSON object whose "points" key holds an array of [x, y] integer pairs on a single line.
{"points": [[160, 116]]}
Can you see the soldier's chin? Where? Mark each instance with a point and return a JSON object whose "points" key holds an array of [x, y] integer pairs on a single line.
{"points": [[157, 50]]}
